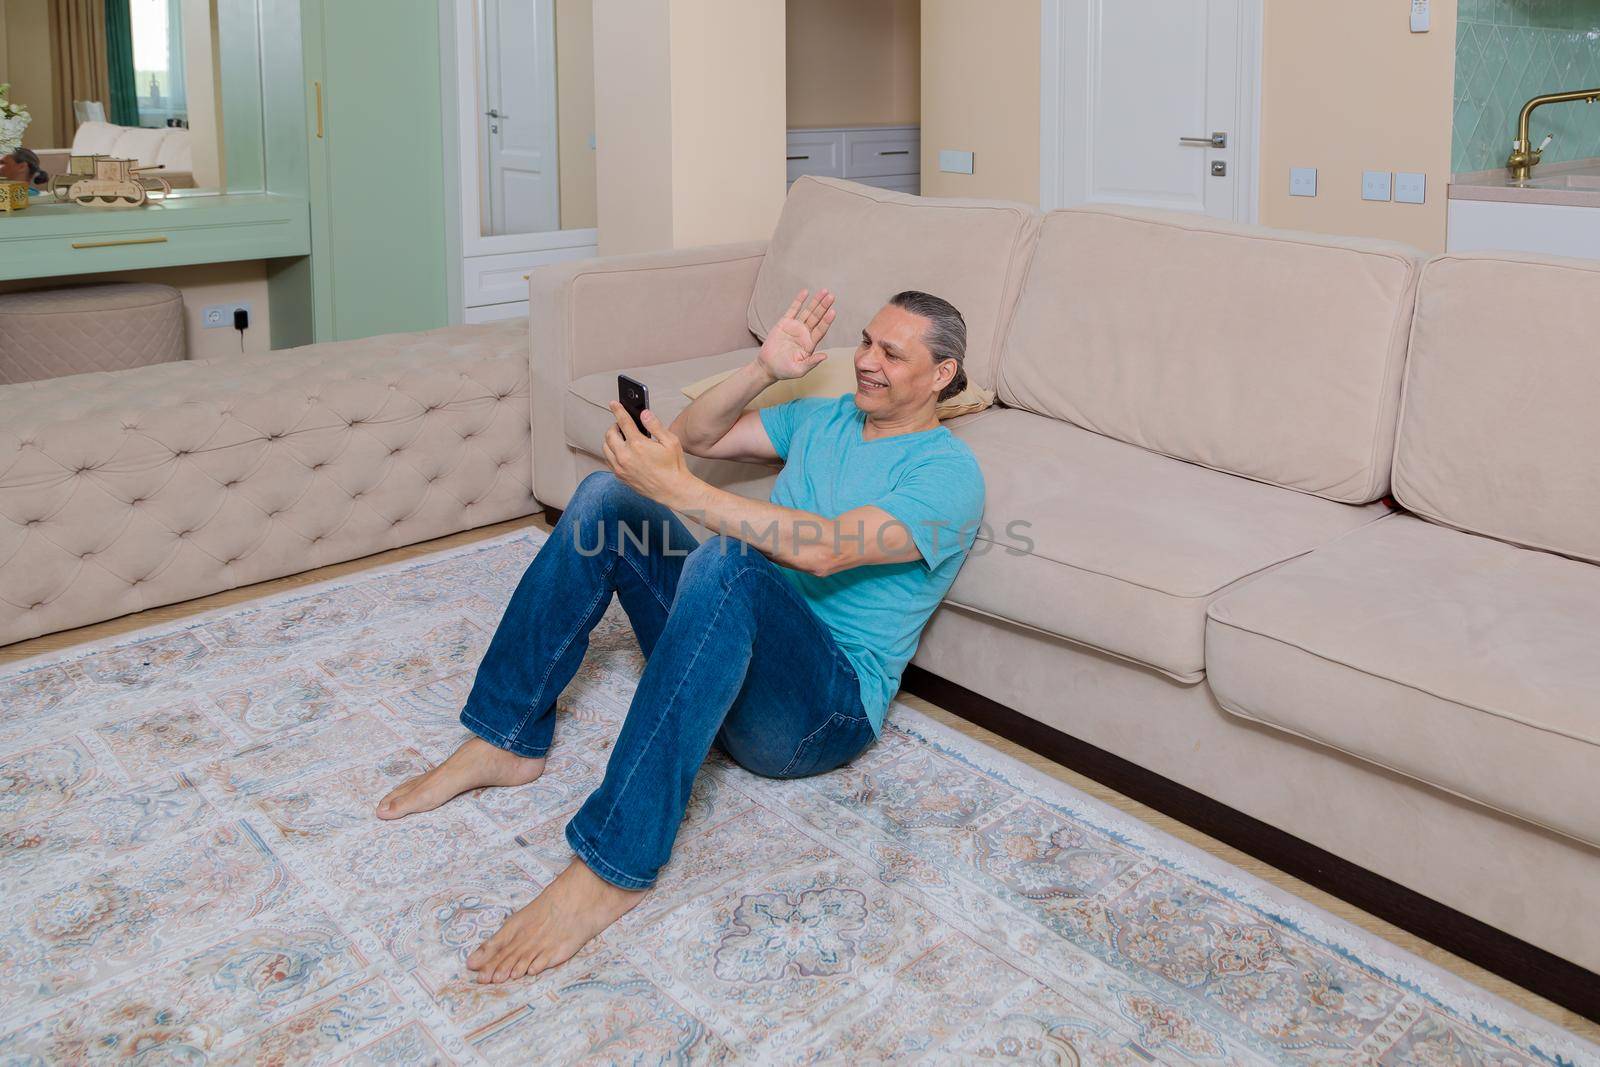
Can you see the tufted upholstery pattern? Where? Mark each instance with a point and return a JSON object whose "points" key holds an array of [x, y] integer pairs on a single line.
{"points": [[123, 491], [46, 333]]}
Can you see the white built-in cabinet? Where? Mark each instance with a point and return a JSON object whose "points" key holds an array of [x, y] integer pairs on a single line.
{"points": [[888, 157]]}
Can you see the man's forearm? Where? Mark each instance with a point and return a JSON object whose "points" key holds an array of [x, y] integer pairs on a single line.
{"points": [[793, 538], [704, 422]]}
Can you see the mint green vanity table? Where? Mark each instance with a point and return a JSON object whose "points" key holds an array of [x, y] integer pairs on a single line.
{"points": [[51, 239], [335, 171]]}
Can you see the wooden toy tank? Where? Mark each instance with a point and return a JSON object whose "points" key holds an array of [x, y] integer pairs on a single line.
{"points": [[78, 168], [116, 184]]}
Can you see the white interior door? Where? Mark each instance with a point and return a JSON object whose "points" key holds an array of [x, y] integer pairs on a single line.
{"points": [[519, 121], [1150, 103]]}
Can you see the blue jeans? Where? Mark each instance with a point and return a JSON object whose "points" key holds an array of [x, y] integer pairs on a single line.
{"points": [[734, 657]]}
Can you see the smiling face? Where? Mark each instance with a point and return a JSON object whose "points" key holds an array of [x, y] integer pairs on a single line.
{"points": [[896, 375]]}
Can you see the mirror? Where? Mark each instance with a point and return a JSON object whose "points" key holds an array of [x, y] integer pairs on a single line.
{"points": [[535, 116], [133, 79]]}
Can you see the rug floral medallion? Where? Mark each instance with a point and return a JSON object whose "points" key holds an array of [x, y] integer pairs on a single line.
{"points": [[190, 872]]}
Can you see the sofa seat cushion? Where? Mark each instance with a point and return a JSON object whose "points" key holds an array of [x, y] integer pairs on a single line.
{"points": [[587, 418], [1458, 660], [1114, 547]]}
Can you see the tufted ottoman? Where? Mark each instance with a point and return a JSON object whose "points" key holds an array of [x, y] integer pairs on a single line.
{"points": [[122, 491], [46, 333]]}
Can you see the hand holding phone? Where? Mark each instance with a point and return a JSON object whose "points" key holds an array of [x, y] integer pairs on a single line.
{"points": [[635, 398]]}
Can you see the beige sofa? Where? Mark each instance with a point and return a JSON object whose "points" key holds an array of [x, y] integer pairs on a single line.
{"points": [[124, 490], [1190, 561], [167, 147]]}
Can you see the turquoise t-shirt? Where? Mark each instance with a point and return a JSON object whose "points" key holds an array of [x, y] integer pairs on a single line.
{"points": [[929, 480]]}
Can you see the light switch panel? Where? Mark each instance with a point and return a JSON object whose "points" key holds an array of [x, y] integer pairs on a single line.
{"points": [[1421, 18], [1302, 181], [954, 162], [1410, 188], [1375, 185]]}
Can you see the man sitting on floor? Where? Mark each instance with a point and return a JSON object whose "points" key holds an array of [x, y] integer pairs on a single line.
{"points": [[781, 641]]}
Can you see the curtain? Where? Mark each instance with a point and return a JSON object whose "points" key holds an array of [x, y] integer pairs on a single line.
{"points": [[78, 56], [123, 106]]}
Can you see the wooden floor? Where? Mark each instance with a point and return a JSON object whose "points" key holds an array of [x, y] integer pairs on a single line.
{"points": [[1498, 986]]}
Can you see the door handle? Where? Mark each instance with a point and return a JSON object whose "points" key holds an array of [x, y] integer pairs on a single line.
{"points": [[319, 108], [496, 113], [1216, 140]]}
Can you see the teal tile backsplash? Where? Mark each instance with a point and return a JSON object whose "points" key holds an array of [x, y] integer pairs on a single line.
{"points": [[1508, 51]]}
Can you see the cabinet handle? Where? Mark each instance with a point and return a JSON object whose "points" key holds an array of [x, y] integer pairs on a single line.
{"points": [[120, 243], [797, 157], [319, 109], [897, 152]]}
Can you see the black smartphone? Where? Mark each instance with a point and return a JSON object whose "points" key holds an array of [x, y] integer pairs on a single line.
{"points": [[635, 397]]}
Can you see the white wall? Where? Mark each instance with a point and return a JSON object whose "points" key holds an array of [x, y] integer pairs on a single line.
{"points": [[691, 136], [852, 63], [980, 93]]}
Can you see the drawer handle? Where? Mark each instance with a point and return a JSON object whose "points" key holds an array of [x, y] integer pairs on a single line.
{"points": [[119, 244], [897, 152], [797, 157]]}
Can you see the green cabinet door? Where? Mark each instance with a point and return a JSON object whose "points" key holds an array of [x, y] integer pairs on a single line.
{"points": [[376, 166]]}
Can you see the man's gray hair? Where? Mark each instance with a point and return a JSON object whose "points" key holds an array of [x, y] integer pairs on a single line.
{"points": [[946, 335], [30, 159]]}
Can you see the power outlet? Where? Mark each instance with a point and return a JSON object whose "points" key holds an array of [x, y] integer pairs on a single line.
{"points": [[220, 316], [1302, 181], [1375, 185], [1410, 188]]}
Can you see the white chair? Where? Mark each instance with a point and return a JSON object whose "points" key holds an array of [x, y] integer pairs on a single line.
{"points": [[88, 111]]}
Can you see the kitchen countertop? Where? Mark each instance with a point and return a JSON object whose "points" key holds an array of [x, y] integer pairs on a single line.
{"points": [[1571, 184]]}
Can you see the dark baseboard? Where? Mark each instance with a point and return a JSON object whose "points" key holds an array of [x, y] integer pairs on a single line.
{"points": [[1558, 980]]}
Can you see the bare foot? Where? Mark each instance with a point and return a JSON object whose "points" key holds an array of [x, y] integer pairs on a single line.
{"points": [[548, 932], [475, 764]]}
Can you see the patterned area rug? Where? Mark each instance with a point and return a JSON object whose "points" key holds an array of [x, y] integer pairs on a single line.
{"points": [[190, 872]]}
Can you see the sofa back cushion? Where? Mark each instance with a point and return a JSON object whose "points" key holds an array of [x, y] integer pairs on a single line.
{"points": [[1500, 425], [867, 244], [95, 138], [176, 153], [1272, 355], [141, 144]]}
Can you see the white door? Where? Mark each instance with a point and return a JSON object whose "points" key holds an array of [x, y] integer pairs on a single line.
{"points": [[519, 119], [1150, 103]]}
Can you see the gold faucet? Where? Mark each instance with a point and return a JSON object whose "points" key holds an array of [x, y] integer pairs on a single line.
{"points": [[1524, 157]]}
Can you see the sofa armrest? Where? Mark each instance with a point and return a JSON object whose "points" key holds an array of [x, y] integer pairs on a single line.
{"points": [[53, 160], [593, 315]]}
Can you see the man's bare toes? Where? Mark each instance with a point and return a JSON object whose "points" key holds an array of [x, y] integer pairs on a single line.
{"points": [[484, 953], [394, 804]]}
